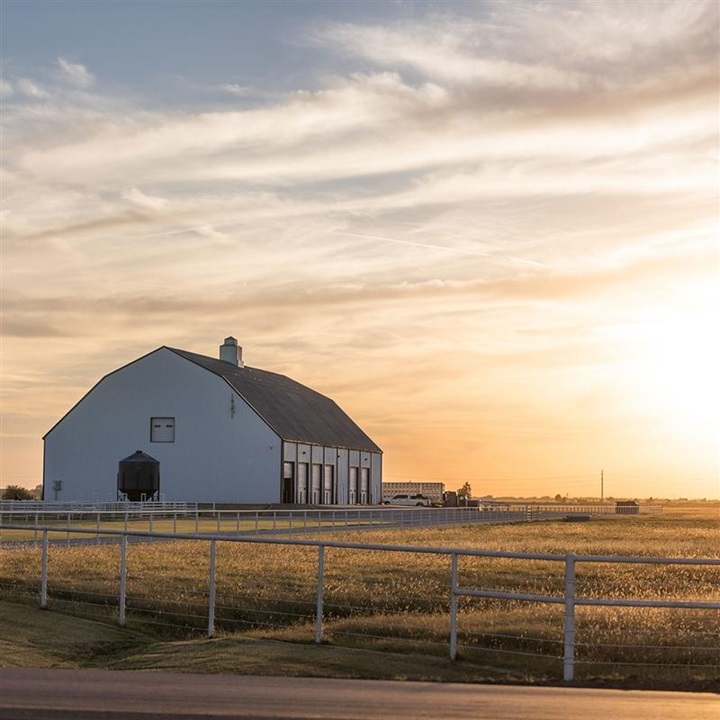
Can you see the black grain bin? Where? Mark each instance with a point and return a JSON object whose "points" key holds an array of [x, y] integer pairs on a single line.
{"points": [[139, 477]]}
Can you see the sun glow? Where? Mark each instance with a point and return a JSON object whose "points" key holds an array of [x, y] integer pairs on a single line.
{"points": [[677, 361]]}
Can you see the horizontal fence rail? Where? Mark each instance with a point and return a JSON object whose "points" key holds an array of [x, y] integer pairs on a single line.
{"points": [[284, 520], [568, 598], [48, 506]]}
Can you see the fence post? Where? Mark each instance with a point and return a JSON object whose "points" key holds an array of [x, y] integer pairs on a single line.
{"points": [[174, 521], [320, 591], [43, 571], [123, 581], [211, 593], [453, 606], [569, 653]]}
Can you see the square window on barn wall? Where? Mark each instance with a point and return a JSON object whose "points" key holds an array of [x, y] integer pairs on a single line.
{"points": [[162, 429]]}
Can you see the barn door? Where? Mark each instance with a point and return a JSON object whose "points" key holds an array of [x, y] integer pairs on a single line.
{"points": [[288, 483], [316, 482], [302, 483], [364, 486], [328, 476], [353, 486]]}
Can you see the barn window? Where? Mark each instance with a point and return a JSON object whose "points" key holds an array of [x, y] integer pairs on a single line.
{"points": [[162, 429]]}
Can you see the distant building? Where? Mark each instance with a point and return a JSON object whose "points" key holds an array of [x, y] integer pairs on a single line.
{"points": [[432, 490], [221, 432], [627, 507]]}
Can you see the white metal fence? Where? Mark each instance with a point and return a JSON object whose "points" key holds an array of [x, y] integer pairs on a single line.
{"points": [[163, 517], [288, 520], [568, 597], [42, 508]]}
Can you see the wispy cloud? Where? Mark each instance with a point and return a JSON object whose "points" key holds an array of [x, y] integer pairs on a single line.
{"points": [[75, 73], [31, 89], [563, 45], [235, 89]]}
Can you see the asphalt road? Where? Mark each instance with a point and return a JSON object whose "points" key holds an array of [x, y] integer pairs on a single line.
{"points": [[54, 694]]}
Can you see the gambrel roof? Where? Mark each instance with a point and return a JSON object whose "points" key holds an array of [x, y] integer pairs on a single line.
{"points": [[295, 412]]}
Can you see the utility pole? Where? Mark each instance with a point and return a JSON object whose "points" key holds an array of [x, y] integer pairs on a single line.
{"points": [[602, 486]]}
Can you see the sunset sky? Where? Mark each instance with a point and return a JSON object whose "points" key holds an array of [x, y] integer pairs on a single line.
{"points": [[488, 230]]}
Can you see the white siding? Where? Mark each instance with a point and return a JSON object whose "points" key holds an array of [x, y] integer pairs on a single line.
{"points": [[223, 452]]}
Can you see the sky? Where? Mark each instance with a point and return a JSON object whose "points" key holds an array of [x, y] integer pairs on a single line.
{"points": [[488, 230]]}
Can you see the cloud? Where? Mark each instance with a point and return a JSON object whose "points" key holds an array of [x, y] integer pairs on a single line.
{"points": [[235, 89], [548, 45], [335, 135], [639, 278], [6, 88], [137, 197], [75, 73], [446, 53], [549, 57], [31, 89]]}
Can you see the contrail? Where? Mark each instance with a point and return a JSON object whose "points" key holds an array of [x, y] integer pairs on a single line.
{"points": [[382, 238], [460, 251]]}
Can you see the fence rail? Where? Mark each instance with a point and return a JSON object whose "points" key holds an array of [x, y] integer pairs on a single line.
{"points": [[257, 521], [29, 507], [285, 519], [569, 597]]}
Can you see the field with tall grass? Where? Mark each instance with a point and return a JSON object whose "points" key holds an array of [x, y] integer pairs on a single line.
{"points": [[398, 602]]}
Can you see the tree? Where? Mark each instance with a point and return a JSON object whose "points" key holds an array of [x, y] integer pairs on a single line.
{"points": [[465, 492], [15, 492]]}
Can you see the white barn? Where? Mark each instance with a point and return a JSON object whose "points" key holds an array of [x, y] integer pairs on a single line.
{"points": [[221, 431]]}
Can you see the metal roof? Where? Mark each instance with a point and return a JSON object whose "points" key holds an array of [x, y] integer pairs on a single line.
{"points": [[295, 412]]}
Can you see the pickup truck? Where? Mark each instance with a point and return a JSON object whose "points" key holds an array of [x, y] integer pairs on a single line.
{"points": [[418, 499]]}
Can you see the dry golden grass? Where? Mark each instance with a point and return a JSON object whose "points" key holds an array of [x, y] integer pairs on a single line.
{"points": [[399, 601]]}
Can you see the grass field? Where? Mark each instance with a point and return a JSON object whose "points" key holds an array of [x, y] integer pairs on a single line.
{"points": [[396, 604], [30, 637]]}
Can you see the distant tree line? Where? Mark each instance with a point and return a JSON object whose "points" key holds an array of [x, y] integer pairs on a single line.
{"points": [[16, 492]]}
